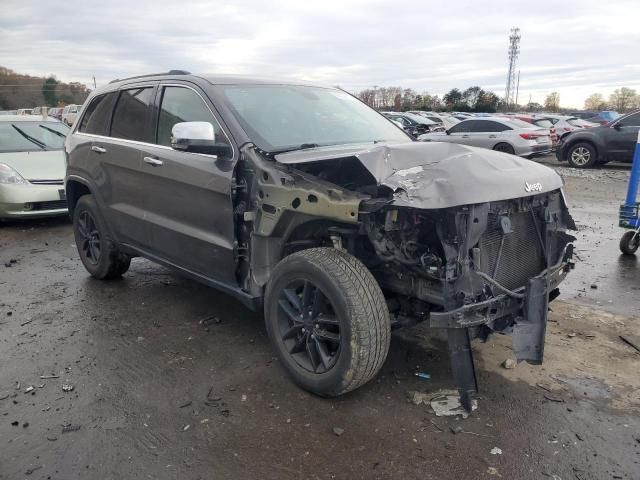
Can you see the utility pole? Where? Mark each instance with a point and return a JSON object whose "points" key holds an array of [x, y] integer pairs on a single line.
{"points": [[94, 82], [514, 50]]}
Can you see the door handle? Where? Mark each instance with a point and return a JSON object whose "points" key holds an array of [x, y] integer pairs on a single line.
{"points": [[492, 136], [98, 149], [156, 162], [465, 136]]}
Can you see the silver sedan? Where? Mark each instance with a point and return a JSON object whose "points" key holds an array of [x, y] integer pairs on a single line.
{"points": [[505, 135]]}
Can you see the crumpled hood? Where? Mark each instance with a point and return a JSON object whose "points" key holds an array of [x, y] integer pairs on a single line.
{"points": [[44, 165], [441, 175]]}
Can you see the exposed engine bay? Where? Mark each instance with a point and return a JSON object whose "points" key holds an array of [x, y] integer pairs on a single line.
{"points": [[450, 241]]}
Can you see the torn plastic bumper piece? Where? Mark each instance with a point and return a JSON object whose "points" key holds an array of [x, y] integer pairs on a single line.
{"points": [[529, 329]]}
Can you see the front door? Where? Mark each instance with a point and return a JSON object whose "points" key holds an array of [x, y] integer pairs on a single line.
{"points": [[622, 140], [188, 198]]}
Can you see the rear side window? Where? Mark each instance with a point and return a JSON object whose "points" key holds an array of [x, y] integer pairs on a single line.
{"points": [[183, 105], [96, 115], [130, 115]]}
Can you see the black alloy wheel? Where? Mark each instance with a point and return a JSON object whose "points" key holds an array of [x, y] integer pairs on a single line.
{"points": [[308, 326], [90, 247]]}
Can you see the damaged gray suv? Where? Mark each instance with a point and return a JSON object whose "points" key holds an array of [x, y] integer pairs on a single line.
{"points": [[302, 201]]}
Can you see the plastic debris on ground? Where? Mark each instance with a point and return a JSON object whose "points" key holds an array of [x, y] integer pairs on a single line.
{"points": [[446, 403], [496, 451]]}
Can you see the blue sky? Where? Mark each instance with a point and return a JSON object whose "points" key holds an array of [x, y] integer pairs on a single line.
{"points": [[573, 47]]}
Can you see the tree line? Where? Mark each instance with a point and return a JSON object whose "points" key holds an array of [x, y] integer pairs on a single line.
{"points": [[473, 99], [26, 91], [621, 100]]}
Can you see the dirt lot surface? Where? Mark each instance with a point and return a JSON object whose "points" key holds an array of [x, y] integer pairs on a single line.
{"points": [[169, 379]]}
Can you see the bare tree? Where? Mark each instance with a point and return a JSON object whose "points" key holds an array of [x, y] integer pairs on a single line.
{"points": [[595, 101], [552, 102], [623, 99]]}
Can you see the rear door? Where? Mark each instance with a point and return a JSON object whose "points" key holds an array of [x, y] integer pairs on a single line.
{"points": [[119, 176], [187, 196], [621, 141]]}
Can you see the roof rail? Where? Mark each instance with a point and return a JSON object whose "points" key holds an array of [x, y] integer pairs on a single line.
{"points": [[170, 72]]}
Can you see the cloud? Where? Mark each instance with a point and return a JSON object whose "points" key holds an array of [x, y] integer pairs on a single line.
{"points": [[573, 47]]}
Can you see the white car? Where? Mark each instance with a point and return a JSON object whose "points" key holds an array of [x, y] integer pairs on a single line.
{"points": [[70, 113], [566, 124], [508, 135], [447, 121], [32, 166]]}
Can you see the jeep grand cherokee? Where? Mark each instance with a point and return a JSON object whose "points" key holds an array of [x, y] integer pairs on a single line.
{"points": [[302, 201]]}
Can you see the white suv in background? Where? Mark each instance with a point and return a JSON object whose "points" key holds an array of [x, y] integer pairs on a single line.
{"points": [[70, 113]]}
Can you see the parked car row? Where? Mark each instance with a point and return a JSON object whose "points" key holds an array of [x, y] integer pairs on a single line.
{"points": [[66, 114]]}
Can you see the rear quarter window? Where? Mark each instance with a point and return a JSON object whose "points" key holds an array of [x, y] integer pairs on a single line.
{"points": [[130, 117], [97, 114]]}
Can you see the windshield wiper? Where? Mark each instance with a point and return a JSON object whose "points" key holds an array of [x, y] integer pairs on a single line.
{"points": [[302, 146], [60, 134], [29, 137]]}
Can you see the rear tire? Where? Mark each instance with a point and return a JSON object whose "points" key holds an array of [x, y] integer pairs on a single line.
{"points": [[327, 320], [504, 148], [98, 252], [582, 155], [630, 242]]}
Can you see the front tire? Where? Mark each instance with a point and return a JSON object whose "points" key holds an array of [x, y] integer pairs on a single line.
{"points": [[630, 242], [98, 252], [582, 155], [328, 320]]}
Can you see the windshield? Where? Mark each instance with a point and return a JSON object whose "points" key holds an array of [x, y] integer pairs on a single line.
{"points": [[31, 136], [281, 117]]}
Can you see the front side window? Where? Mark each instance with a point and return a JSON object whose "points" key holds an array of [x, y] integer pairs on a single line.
{"points": [[462, 127], [281, 117], [96, 115], [130, 115], [178, 105]]}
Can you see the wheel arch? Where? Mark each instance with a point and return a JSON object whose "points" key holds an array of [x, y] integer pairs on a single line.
{"points": [[75, 188], [298, 232]]}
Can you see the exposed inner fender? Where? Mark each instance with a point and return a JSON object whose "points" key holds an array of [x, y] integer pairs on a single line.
{"points": [[279, 200]]}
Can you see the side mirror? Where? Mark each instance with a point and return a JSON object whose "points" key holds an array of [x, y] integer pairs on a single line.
{"points": [[618, 125], [197, 137], [447, 132]]}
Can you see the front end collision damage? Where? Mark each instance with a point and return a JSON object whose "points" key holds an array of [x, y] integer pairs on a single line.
{"points": [[442, 227]]}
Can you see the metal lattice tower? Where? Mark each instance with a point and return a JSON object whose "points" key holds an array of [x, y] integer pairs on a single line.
{"points": [[514, 50]]}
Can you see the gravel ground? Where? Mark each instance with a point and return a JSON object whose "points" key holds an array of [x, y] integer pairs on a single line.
{"points": [[172, 380]]}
